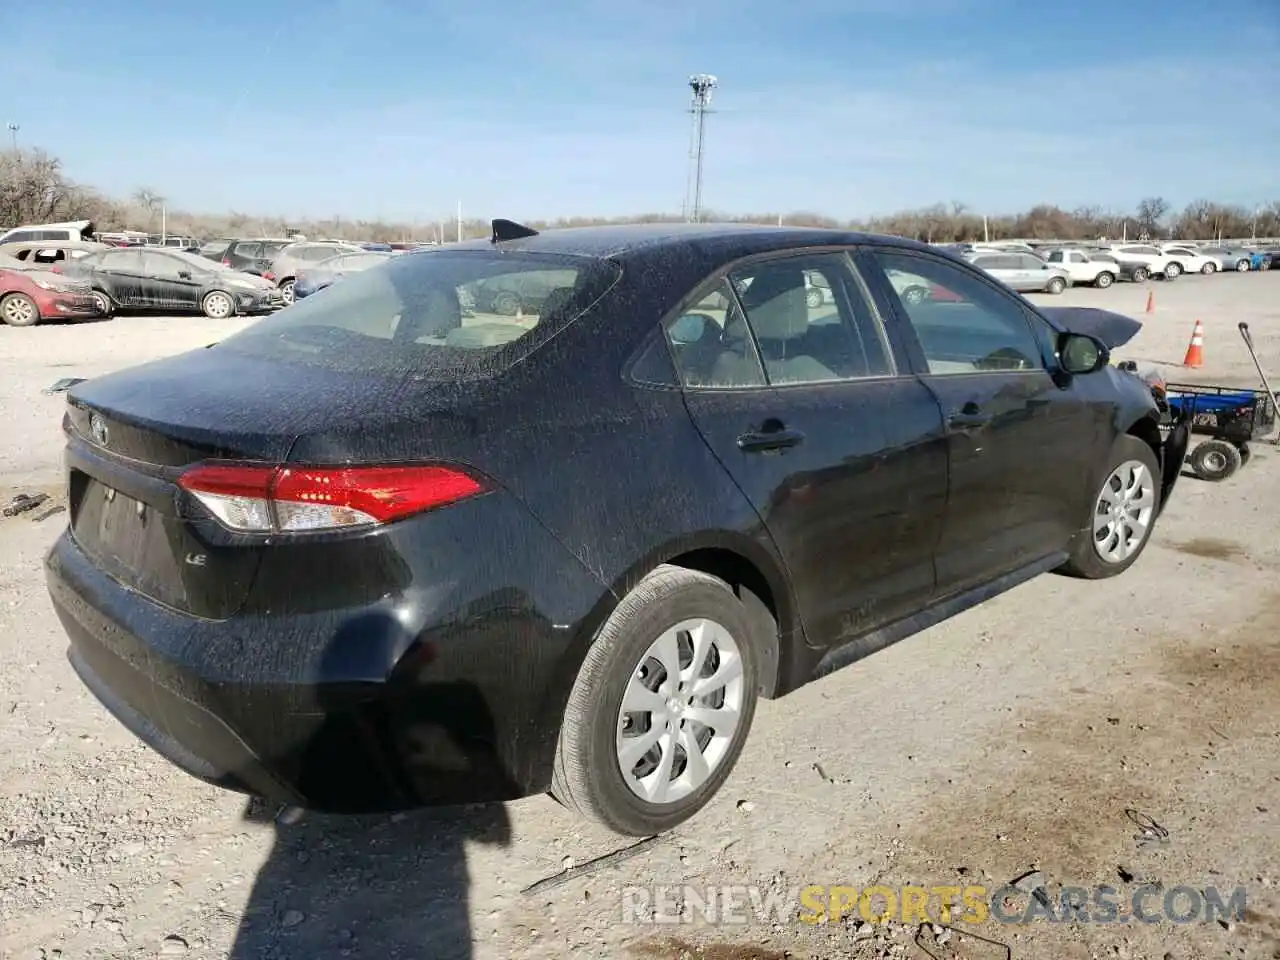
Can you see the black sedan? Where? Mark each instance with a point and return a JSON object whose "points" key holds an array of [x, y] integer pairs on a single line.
{"points": [[144, 278], [370, 554]]}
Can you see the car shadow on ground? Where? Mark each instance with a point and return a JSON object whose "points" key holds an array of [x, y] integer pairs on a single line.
{"points": [[367, 886]]}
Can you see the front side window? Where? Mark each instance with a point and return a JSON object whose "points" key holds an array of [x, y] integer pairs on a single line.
{"points": [[972, 327], [405, 317]]}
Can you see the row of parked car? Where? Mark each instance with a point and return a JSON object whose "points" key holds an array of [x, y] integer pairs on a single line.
{"points": [[1052, 268]]}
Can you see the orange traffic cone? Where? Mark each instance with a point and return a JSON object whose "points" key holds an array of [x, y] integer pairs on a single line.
{"points": [[1195, 354], [1151, 301]]}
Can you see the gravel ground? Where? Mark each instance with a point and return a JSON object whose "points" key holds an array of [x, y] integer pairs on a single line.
{"points": [[1009, 739]]}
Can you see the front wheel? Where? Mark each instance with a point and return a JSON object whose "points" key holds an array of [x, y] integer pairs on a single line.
{"points": [[19, 310], [1104, 280], [1056, 286], [1209, 268], [1173, 270], [1141, 275], [104, 303], [1124, 512], [218, 305], [1215, 460], [287, 292], [661, 706], [1242, 266]]}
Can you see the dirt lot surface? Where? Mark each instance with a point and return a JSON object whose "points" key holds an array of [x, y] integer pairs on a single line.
{"points": [[1123, 733]]}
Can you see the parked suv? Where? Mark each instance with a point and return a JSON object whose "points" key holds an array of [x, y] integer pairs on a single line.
{"points": [[1084, 268], [1157, 262], [284, 266], [1023, 272], [252, 255]]}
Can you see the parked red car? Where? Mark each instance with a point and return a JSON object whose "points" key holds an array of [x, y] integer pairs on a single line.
{"points": [[29, 294]]}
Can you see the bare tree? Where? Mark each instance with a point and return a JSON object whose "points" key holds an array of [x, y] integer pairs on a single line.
{"points": [[1151, 211]]}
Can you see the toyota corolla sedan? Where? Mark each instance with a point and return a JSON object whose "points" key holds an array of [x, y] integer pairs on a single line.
{"points": [[378, 551]]}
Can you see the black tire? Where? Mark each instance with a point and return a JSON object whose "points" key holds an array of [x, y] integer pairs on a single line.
{"points": [[1141, 275], [1215, 460], [1056, 286], [1245, 454], [19, 310], [588, 777], [1209, 269], [286, 291], [1104, 280], [1173, 271], [1085, 560], [106, 306]]}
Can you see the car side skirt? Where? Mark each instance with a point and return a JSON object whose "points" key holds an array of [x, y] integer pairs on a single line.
{"points": [[945, 609]]}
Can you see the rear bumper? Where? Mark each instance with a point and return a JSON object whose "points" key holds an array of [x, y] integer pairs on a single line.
{"points": [[441, 694]]}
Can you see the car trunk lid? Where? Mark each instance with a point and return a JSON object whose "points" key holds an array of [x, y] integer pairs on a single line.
{"points": [[132, 434]]}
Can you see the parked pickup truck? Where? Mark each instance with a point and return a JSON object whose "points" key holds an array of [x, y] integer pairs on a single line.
{"points": [[1085, 268]]}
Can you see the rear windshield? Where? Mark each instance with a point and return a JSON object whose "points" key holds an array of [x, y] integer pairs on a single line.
{"points": [[437, 315]]}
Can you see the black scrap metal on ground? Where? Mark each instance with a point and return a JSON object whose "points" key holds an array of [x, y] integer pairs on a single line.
{"points": [[955, 932], [608, 860]]}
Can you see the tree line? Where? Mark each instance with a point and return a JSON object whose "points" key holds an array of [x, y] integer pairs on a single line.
{"points": [[35, 189]]}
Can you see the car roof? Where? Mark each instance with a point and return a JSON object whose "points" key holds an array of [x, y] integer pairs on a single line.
{"points": [[728, 240]]}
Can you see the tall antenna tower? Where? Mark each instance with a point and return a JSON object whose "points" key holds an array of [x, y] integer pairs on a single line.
{"points": [[701, 84]]}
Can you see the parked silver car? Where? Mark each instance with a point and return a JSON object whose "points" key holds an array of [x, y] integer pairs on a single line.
{"points": [[1022, 271], [1230, 258], [301, 255]]}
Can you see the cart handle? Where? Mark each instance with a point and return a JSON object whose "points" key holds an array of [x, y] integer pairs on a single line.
{"points": [[1244, 332]]}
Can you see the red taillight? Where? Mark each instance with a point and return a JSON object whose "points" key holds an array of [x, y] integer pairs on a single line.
{"points": [[268, 275], [295, 499], [55, 269], [226, 262]]}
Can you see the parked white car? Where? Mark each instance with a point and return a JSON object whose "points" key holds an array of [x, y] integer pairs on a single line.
{"points": [[1192, 260], [1157, 262], [1082, 268]]}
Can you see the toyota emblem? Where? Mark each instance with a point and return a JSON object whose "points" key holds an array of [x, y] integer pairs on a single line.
{"points": [[98, 427]]}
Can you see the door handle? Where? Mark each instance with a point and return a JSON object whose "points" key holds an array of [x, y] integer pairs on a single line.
{"points": [[762, 441], [969, 417]]}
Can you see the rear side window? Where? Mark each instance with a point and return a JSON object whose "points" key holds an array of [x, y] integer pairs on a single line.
{"points": [[246, 248], [452, 315], [215, 248]]}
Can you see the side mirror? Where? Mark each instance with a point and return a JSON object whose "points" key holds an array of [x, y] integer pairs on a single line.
{"points": [[691, 328], [1081, 354]]}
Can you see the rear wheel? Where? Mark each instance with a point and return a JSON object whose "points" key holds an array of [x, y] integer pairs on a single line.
{"points": [[1173, 270], [218, 305], [1056, 286], [813, 299], [19, 310], [286, 292], [661, 706], [1215, 460], [1104, 279], [1123, 515], [1209, 268], [1242, 265], [1141, 275]]}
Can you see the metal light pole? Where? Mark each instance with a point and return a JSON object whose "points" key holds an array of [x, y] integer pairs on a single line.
{"points": [[701, 84], [13, 134]]}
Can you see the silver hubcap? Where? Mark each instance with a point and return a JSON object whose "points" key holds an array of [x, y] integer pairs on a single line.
{"points": [[680, 712], [219, 305], [1215, 461], [101, 301], [19, 310], [286, 293], [1122, 519]]}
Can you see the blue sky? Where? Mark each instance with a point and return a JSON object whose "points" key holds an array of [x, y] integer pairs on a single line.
{"points": [[371, 108]]}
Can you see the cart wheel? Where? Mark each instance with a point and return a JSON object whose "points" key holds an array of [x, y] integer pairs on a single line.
{"points": [[1215, 460]]}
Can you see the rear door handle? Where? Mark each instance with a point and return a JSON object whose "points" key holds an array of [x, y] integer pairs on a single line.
{"points": [[969, 417], [763, 441]]}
